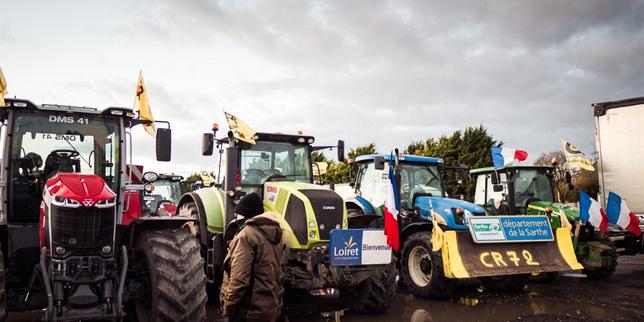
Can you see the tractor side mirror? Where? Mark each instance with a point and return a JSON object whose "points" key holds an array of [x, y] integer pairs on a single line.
{"points": [[164, 144], [206, 143], [379, 163], [494, 178], [340, 151]]}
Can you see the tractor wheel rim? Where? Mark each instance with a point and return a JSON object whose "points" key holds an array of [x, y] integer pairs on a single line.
{"points": [[417, 255]]}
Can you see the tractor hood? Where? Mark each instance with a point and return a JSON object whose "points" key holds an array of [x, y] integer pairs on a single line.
{"points": [[445, 207], [309, 211], [539, 208], [75, 189]]}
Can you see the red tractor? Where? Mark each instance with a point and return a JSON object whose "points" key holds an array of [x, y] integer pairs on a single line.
{"points": [[66, 248]]}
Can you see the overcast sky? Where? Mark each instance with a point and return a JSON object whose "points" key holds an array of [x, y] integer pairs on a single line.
{"points": [[388, 72]]}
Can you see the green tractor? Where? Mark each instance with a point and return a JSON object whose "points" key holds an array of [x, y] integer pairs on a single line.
{"points": [[529, 190], [314, 219]]}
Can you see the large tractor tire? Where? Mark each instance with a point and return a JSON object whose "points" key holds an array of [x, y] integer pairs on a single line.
{"points": [[177, 283], [374, 295], [3, 290], [422, 269], [509, 283]]}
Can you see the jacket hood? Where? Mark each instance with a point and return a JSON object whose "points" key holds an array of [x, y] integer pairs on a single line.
{"points": [[268, 224]]}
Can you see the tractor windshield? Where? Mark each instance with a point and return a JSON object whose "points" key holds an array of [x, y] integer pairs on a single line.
{"points": [[419, 178], [531, 185], [266, 160], [43, 144]]}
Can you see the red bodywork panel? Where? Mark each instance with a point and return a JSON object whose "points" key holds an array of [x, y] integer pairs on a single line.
{"points": [[86, 189], [132, 211]]}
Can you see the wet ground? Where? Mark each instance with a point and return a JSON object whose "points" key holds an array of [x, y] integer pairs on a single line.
{"points": [[571, 298]]}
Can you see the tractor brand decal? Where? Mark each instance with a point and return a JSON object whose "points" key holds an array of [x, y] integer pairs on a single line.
{"points": [[358, 247], [88, 202], [271, 193], [510, 229]]}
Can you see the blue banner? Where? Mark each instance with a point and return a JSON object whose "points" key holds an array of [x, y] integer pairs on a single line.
{"points": [[494, 229]]}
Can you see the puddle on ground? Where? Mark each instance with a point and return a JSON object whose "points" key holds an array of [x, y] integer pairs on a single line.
{"points": [[407, 308]]}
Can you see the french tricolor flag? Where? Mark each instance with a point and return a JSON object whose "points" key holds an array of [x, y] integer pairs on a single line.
{"points": [[591, 211], [392, 204], [618, 213], [504, 156]]}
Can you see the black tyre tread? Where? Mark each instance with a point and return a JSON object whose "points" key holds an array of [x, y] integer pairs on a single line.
{"points": [[189, 209], [3, 292], [440, 287], [375, 295], [509, 283], [176, 275]]}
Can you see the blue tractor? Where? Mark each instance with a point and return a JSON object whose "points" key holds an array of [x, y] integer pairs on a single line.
{"points": [[437, 246]]}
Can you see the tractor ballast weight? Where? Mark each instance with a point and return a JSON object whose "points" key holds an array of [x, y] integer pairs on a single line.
{"points": [[278, 168], [436, 237], [529, 190], [66, 247]]}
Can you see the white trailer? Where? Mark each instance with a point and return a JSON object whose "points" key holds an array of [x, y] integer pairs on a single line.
{"points": [[619, 135]]}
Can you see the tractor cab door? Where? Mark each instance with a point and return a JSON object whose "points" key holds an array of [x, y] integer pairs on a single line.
{"points": [[495, 202]]}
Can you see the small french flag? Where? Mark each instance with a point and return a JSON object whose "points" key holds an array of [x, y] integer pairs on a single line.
{"points": [[618, 213], [504, 156], [591, 211]]}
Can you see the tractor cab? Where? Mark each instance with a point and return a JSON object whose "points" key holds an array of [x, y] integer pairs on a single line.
{"points": [[274, 157], [419, 176], [513, 189], [421, 192], [161, 193]]}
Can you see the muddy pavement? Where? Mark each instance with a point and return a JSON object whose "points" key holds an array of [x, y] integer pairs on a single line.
{"points": [[570, 298]]}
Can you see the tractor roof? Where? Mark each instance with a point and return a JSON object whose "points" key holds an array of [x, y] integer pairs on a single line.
{"points": [[17, 104], [403, 158], [280, 137], [490, 169]]}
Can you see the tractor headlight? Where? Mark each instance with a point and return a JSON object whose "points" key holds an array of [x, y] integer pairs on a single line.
{"points": [[65, 202], [106, 249], [106, 203], [60, 250]]}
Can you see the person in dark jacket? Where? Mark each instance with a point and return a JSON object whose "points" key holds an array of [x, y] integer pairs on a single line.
{"points": [[251, 289]]}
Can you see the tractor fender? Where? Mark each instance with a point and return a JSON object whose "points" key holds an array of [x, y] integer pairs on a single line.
{"points": [[139, 225], [415, 228], [358, 202], [201, 213]]}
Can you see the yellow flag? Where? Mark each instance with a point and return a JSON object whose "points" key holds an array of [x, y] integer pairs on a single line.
{"points": [[3, 88], [575, 158], [142, 106], [241, 131], [564, 220]]}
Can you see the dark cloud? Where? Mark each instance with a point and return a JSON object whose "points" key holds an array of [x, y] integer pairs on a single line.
{"points": [[388, 72]]}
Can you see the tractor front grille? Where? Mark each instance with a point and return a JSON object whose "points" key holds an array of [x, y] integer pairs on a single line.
{"points": [[328, 208], [82, 227]]}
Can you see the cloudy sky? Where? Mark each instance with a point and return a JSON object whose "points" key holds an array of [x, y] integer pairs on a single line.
{"points": [[388, 72]]}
